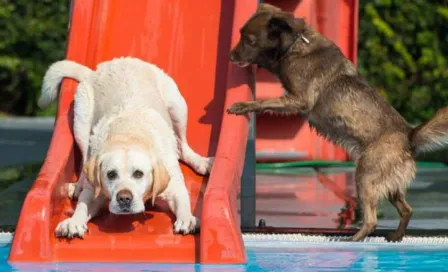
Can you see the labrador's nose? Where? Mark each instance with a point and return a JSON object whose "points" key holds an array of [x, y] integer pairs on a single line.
{"points": [[124, 198]]}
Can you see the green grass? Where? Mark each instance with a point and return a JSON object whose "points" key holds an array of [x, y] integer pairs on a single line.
{"points": [[47, 112], [328, 164], [16, 173]]}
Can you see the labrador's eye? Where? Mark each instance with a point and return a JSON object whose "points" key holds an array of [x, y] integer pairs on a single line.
{"points": [[112, 175], [137, 174]]}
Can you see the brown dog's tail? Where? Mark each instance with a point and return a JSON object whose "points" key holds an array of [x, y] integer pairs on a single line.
{"points": [[431, 135]]}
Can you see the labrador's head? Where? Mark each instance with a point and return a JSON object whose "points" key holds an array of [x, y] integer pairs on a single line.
{"points": [[128, 176]]}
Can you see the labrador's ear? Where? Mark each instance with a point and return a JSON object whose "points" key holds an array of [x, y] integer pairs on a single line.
{"points": [[161, 178], [92, 170], [268, 8]]}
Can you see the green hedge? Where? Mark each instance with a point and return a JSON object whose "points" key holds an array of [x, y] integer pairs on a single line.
{"points": [[32, 36], [403, 49]]}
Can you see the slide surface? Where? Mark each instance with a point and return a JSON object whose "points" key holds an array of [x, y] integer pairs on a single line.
{"points": [[190, 40]]}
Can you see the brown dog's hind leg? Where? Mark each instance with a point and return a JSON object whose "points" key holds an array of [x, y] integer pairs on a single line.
{"points": [[280, 105], [405, 211], [385, 167], [369, 201]]}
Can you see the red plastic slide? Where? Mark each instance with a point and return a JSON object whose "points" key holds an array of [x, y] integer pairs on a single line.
{"points": [[190, 40]]}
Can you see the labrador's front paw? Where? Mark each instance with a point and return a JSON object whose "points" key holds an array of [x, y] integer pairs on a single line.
{"points": [[186, 225], [71, 227]]}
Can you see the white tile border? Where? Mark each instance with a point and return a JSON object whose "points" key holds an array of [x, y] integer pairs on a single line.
{"points": [[5, 237], [301, 240]]}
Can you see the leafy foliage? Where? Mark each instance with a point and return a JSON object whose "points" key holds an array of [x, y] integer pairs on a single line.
{"points": [[403, 50], [32, 35]]}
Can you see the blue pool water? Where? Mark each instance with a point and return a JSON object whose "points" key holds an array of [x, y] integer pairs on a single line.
{"points": [[287, 257]]}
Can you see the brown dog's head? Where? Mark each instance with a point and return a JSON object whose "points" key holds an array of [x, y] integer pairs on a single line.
{"points": [[266, 36]]}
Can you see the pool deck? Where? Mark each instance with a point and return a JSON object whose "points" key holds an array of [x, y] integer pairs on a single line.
{"points": [[283, 200], [300, 201]]}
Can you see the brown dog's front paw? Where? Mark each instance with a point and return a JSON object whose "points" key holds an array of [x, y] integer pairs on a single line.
{"points": [[395, 237], [239, 108]]}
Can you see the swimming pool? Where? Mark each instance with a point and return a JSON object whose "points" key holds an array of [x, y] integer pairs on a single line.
{"points": [[288, 256]]}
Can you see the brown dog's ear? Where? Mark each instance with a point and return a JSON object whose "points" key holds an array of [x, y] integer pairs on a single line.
{"points": [[268, 8], [285, 22], [92, 170], [161, 178]]}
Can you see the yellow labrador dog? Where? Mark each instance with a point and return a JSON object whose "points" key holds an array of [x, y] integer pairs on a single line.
{"points": [[130, 125]]}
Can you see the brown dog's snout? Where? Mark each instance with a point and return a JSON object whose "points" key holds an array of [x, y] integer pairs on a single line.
{"points": [[124, 198]]}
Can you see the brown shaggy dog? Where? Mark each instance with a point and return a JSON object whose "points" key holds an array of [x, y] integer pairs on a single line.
{"points": [[324, 88]]}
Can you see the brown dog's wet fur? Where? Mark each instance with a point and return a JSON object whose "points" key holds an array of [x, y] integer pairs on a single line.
{"points": [[323, 87]]}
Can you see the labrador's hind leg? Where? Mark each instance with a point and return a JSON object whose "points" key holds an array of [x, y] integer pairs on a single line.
{"points": [[82, 124], [178, 111]]}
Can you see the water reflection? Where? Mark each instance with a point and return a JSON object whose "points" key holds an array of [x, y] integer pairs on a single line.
{"points": [[303, 257]]}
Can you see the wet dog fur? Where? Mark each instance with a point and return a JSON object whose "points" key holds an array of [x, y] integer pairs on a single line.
{"points": [[324, 87]]}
